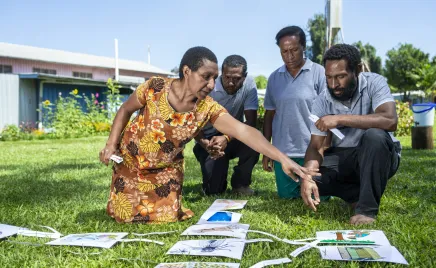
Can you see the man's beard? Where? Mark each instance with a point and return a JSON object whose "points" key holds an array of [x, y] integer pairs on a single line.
{"points": [[348, 91]]}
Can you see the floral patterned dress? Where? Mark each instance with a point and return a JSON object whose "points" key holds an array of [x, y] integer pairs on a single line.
{"points": [[147, 186]]}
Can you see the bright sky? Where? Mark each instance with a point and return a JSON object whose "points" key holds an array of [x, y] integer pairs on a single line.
{"points": [[245, 27]]}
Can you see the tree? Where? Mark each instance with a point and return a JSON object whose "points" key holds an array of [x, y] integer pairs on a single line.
{"points": [[400, 64], [317, 30], [261, 81], [425, 78], [370, 57]]}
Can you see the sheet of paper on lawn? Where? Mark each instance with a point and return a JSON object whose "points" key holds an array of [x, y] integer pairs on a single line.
{"points": [[335, 131], [227, 204], [386, 254], [302, 249], [231, 248], [378, 237], [54, 235], [211, 216], [271, 262], [231, 230], [9, 230], [99, 240], [197, 264]]}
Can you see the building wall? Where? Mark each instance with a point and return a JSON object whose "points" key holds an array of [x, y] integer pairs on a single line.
{"points": [[21, 66], [9, 105]]}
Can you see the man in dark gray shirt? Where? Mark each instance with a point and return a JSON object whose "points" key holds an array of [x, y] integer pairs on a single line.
{"points": [[236, 92], [357, 167]]}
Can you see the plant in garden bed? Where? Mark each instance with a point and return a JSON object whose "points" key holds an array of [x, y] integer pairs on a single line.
{"points": [[405, 119]]}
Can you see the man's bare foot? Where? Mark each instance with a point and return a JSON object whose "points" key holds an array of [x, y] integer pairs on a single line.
{"points": [[359, 219]]}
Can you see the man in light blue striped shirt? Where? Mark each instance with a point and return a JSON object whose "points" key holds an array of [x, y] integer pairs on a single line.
{"points": [[289, 96]]}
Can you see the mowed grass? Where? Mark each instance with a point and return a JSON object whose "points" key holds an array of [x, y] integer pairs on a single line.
{"points": [[60, 183]]}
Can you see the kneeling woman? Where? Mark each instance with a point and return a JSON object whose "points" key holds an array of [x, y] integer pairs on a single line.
{"points": [[147, 186]]}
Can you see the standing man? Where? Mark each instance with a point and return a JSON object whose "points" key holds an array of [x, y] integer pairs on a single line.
{"points": [[290, 93], [238, 94], [356, 168]]}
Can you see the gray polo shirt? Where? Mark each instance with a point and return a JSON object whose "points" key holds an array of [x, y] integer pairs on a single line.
{"points": [[244, 99], [292, 99], [373, 91]]}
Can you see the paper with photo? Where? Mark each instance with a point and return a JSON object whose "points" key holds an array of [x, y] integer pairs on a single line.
{"points": [[231, 248], [211, 216], [100, 240], [198, 265], [358, 237], [362, 253], [231, 230], [9, 230], [227, 204]]}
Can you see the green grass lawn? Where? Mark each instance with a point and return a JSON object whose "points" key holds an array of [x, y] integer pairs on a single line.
{"points": [[60, 183]]}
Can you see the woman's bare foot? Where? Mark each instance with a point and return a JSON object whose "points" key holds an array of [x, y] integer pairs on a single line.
{"points": [[359, 219]]}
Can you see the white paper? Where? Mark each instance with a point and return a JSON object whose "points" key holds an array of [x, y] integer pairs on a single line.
{"points": [[226, 217], [9, 230], [300, 250], [116, 158], [198, 265], [265, 233], [231, 248], [142, 240], [357, 236], [299, 242], [248, 241], [367, 253], [271, 262], [54, 235], [99, 240], [231, 230], [335, 131], [227, 204]]}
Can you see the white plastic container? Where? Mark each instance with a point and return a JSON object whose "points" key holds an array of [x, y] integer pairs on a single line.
{"points": [[423, 114]]}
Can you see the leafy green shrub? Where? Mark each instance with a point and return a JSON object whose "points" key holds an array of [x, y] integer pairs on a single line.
{"points": [[405, 119], [260, 115], [68, 117], [10, 133]]}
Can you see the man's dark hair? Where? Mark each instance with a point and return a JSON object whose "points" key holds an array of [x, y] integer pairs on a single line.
{"points": [[235, 61], [292, 31], [343, 51], [193, 58]]}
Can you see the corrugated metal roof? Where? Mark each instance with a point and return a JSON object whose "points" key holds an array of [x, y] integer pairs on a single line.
{"points": [[68, 79], [65, 57]]}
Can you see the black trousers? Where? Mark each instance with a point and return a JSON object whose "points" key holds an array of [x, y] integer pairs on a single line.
{"points": [[360, 174], [215, 171]]}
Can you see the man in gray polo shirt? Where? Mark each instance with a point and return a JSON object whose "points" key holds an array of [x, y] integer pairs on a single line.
{"points": [[357, 167], [289, 96], [238, 94]]}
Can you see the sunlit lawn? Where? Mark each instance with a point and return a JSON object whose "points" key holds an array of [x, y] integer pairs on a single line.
{"points": [[60, 183]]}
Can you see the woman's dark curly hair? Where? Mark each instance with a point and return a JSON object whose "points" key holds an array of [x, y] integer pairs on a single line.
{"points": [[343, 51]]}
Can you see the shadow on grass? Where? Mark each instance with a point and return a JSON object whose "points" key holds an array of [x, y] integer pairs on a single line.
{"points": [[93, 216], [38, 184]]}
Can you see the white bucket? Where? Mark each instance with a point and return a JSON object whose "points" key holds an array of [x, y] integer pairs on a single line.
{"points": [[423, 114]]}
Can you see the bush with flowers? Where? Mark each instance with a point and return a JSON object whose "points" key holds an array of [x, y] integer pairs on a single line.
{"points": [[405, 119], [66, 117]]}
